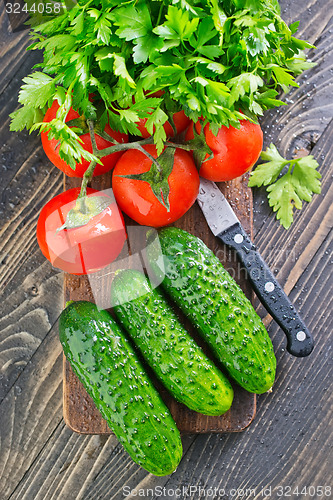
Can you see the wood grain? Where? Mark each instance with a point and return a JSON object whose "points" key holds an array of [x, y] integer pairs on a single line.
{"points": [[80, 412], [289, 442]]}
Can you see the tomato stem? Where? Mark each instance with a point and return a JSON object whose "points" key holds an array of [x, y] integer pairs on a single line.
{"points": [[107, 137], [186, 147], [87, 176], [123, 147], [91, 126]]}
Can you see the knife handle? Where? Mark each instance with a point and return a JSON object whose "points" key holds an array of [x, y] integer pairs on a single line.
{"points": [[268, 290]]}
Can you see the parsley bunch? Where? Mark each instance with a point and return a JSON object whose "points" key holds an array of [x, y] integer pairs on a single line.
{"points": [[217, 59], [212, 58]]}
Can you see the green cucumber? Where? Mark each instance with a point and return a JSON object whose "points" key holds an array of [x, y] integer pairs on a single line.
{"points": [[196, 280], [178, 362], [107, 365]]}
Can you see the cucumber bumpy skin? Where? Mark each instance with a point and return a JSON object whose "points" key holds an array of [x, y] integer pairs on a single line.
{"points": [[107, 365], [196, 280], [178, 362]]}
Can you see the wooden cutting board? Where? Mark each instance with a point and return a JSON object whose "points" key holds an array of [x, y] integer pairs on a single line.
{"points": [[80, 412]]}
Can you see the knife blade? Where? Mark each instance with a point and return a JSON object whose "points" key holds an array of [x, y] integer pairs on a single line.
{"points": [[225, 225]]}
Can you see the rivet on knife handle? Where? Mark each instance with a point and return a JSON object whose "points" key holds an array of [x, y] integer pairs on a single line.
{"points": [[269, 291]]}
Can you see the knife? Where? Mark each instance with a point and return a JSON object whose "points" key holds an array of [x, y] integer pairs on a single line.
{"points": [[225, 225]]}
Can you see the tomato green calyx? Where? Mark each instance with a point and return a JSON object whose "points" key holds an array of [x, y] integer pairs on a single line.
{"points": [[158, 175], [199, 147], [85, 208]]}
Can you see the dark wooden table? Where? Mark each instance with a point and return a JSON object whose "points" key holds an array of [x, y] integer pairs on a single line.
{"points": [[288, 444]]}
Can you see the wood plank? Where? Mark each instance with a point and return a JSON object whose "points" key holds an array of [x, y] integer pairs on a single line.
{"points": [[65, 461], [29, 413], [12, 50], [81, 414]]}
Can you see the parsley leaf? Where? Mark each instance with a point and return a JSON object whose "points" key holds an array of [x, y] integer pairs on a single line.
{"points": [[283, 198], [120, 69], [25, 117], [36, 90], [178, 26], [284, 78], [244, 83], [287, 192], [135, 24], [268, 172]]}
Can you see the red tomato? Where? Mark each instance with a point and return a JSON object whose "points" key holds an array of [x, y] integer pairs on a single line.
{"points": [[51, 146], [235, 150], [136, 198], [85, 249]]}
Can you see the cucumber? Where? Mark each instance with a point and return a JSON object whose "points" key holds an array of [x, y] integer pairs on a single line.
{"points": [[178, 362], [107, 365], [212, 300]]}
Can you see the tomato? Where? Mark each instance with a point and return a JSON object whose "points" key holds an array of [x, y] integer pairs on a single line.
{"points": [[136, 198], [235, 150], [51, 146], [85, 249]]}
